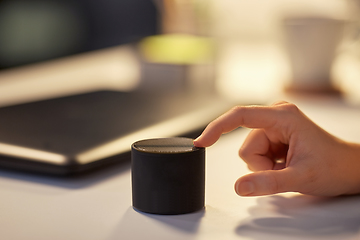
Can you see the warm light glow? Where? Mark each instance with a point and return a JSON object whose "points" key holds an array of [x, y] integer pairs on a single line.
{"points": [[251, 73], [346, 74], [177, 49], [28, 153], [111, 68]]}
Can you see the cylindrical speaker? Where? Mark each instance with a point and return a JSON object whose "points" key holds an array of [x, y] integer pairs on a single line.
{"points": [[168, 176]]}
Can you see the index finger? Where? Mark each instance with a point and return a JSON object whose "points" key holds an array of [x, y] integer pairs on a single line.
{"points": [[239, 116]]}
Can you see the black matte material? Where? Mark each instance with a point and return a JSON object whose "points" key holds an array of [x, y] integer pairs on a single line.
{"points": [[73, 124], [168, 176]]}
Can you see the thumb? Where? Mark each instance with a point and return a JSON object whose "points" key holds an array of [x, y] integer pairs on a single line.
{"points": [[267, 182]]}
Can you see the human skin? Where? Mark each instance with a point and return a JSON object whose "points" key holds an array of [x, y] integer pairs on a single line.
{"points": [[312, 161]]}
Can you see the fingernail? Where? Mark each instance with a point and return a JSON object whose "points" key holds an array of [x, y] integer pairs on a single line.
{"points": [[195, 140], [245, 188]]}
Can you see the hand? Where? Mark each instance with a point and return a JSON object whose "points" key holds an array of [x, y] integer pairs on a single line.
{"points": [[288, 152]]}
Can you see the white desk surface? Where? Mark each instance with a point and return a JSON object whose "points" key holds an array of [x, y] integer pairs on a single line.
{"points": [[98, 205]]}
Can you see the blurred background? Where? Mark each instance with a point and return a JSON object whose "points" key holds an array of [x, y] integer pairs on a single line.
{"points": [[243, 49], [39, 30]]}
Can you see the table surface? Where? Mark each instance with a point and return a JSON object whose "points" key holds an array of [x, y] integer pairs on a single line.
{"points": [[98, 205]]}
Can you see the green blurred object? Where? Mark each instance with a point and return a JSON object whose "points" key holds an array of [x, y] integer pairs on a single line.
{"points": [[177, 49]]}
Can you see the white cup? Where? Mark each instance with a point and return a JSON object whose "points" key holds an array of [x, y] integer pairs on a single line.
{"points": [[312, 44]]}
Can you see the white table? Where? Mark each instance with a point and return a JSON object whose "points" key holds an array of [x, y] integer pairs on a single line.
{"points": [[98, 205]]}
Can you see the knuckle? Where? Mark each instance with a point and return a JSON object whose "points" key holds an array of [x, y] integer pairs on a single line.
{"points": [[289, 108], [212, 124], [279, 103], [237, 109], [273, 184], [240, 112], [244, 153], [290, 114]]}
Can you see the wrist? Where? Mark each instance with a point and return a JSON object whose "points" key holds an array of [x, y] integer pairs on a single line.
{"points": [[350, 168]]}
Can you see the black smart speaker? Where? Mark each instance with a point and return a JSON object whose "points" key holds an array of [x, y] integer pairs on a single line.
{"points": [[168, 176]]}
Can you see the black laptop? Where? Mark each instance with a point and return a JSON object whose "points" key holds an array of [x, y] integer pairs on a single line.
{"points": [[83, 132]]}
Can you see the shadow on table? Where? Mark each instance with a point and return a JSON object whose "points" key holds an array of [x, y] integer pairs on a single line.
{"points": [[138, 225], [71, 182], [302, 216]]}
